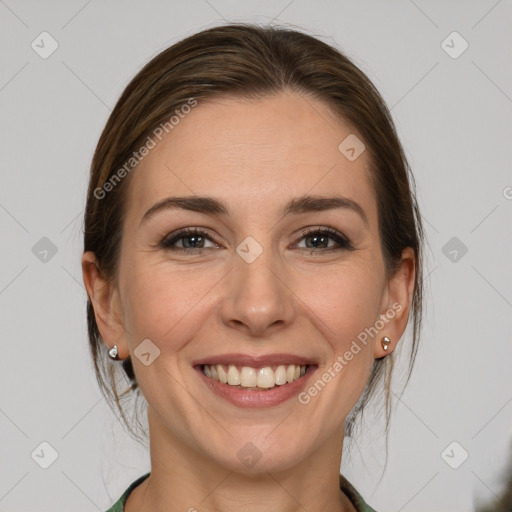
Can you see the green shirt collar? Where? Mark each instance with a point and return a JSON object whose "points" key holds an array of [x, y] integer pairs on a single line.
{"points": [[345, 486]]}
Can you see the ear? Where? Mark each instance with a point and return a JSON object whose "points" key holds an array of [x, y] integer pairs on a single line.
{"points": [[396, 303], [107, 307]]}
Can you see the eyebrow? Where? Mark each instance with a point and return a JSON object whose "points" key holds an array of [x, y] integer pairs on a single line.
{"points": [[211, 206]]}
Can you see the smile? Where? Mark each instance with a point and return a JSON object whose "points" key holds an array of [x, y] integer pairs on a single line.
{"points": [[264, 380], [257, 379]]}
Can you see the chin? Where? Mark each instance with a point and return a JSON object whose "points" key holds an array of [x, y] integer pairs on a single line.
{"points": [[253, 458]]}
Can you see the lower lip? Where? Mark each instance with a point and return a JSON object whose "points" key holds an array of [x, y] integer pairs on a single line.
{"points": [[251, 398]]}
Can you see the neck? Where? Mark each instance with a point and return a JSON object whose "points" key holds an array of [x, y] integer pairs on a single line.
{"points": [[183, 479]]}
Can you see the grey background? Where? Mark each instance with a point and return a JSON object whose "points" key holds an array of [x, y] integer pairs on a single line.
{"points": [[453, 116]]}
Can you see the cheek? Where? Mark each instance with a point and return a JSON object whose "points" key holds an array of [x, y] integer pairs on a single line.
{"points": [[342, 304], [345, 301], [163, 305]]}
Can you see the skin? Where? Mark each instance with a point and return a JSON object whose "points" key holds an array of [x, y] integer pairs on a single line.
{"points": [[255, 156]]}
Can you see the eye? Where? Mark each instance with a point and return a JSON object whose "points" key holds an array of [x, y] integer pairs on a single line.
{"points": [[319, 239], [188, 240]]}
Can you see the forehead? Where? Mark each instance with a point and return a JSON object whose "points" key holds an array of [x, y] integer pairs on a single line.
{"points": [[253, 153]]}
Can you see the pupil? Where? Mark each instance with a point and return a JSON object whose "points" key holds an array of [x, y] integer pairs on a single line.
{"points": [[316, 239], [194, 238]]}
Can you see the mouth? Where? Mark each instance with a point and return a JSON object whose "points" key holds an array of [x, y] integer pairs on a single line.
{"points": [[255, 378], [261, 381]]}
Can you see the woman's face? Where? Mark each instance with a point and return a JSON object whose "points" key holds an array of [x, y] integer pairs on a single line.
{"points": [[259, 283]]}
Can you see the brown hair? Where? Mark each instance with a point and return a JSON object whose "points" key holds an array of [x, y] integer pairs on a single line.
{"points": [[249, 61]]}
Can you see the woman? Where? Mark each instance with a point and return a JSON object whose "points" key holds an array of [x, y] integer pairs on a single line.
{"points": [[252, 257]]}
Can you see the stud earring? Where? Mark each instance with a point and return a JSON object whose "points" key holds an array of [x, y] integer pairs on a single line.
{"points": [[385, 342], [113, 353]]}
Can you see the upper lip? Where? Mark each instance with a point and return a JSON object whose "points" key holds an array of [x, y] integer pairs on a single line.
{"points": [[254, 361]]}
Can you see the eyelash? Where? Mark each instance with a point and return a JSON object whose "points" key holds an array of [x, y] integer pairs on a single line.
{"points": [[169, 240]]}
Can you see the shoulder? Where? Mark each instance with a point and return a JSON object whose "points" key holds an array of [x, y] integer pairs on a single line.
{"points": [[355, 498], [118, 506]]}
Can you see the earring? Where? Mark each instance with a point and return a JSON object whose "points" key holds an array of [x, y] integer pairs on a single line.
{"points": [[385, 342], [113, 353]]}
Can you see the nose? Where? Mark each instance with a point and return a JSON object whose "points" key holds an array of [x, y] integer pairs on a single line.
{"points": [[257, 300]]}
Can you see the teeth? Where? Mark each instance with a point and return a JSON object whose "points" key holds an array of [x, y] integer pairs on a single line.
{"points": [[233, 376], [247, 377], [223, 376], [266, 378], [280, 375]]}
